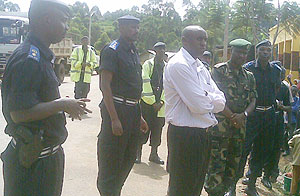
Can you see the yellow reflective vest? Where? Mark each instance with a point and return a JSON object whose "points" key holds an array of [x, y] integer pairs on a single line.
{"points": [[76, 62], [147, 95]]}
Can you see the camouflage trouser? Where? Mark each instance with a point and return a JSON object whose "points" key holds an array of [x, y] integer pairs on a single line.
{"points": [[224, 163]]}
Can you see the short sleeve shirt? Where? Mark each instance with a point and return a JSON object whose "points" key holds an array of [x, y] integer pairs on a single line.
{"points": [[267, 82], [121, 58], [29, 79]]}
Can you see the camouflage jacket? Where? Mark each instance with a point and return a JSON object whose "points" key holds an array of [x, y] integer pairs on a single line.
{"points": [[239, 88]]}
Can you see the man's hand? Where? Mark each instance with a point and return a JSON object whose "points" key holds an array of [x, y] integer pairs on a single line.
{"points": [[75, 108], [157, 106], [238, 120], [144, 126], [117, 128]]}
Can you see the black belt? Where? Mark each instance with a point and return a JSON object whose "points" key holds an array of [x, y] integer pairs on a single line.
{"points": [[263, 108], [125, 101], [46, 152]]}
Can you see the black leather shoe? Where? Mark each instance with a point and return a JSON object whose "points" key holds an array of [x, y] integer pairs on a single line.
{"points": [[266, 182], [156, 159], [251, 191], [230, 193], [245, 181]]}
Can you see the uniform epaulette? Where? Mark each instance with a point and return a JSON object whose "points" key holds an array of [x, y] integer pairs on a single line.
{"points": [[34, 53], [249, 64], [275, 65], [219, 65], [114, 45]]}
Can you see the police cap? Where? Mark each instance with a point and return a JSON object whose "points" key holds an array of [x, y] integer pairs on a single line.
{"points": [[206, 53], [239, 43], [159, 45], [263, 43], [128, 20], [39, 6]]}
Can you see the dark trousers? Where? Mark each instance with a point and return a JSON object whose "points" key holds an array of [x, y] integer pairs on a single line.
{"points": [[155, 125], [188, 158], [272, 167], [116, 154], [81, 90], [44, 178], [261, 131]]}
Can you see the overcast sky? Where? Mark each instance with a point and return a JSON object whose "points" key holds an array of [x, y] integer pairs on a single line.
{"points": [[112, 5]]}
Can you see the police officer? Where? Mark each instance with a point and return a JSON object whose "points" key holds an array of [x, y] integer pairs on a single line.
{"points": [[153, 102], [228, 136], [284, 105], [261, 124], [121, 85], [33, 162], [83, 63], [206, 59]]}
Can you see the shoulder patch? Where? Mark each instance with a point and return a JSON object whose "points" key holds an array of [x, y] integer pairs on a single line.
{"points": [[34, 53], [275, 65], [219, 65], [249, 64], [114, 45]]}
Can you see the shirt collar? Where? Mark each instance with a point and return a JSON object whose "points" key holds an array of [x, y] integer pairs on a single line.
{"points": [[126, 45], [45, 51], [191, 60], [257, 65], [238, 71]]}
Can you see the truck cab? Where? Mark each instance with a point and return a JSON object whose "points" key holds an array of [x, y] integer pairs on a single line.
{"points": [[13, 30]]}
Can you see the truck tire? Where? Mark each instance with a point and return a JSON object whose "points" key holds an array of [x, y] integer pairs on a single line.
{"points": [[60, 72]]}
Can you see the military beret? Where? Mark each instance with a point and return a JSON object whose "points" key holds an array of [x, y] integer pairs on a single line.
{"points": [[128, 19], [240, 43], [206, 53], [39, 6], [263, 43], [159, 44]]}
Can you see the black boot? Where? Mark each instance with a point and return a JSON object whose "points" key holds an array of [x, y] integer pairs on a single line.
{"points": [[251, 190], [138, 159], [266, 182], [154, 157]]}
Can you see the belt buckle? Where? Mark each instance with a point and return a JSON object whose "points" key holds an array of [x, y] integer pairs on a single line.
{"points": [[265, 109]]}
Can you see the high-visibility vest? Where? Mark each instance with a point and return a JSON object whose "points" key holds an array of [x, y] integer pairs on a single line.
{"points": [[147, 95], [76, 64]]}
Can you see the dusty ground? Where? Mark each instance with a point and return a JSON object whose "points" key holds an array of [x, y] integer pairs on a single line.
{"points": [[145, 179]]}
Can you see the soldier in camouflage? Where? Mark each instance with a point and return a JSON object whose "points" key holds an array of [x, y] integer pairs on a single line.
{"points": [[228, 136]]}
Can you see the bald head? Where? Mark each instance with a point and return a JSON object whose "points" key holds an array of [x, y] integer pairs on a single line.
{"points": [[194, 40]]}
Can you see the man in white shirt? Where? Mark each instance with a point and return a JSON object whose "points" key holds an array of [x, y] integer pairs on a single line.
{"points": [[192, 98]]}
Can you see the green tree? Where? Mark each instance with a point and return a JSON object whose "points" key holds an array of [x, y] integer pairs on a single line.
{"points": [[7, 6], [102, 41]]}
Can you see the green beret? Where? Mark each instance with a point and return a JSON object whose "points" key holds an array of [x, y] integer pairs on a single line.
{"points": [[240, 43]]}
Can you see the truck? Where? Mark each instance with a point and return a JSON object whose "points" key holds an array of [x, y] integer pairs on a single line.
{"points": [[14, 26]]}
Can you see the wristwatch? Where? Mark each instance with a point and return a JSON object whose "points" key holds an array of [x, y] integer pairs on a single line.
{"points": [[246, 113]]}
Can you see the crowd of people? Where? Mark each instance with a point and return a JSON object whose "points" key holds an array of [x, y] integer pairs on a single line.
{"points": [[218, 116]]}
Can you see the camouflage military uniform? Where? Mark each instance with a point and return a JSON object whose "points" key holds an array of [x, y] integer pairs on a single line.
{"points": [[227, 141]]}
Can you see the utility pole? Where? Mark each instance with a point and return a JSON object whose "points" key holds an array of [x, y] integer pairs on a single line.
{"points": [[225, 44], [90, 26]]}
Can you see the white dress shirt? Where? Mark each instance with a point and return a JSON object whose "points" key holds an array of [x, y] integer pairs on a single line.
{"points": [[191, 96]]}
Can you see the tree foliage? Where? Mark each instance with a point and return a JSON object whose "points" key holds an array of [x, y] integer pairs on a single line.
{"points": [[7, 6]]}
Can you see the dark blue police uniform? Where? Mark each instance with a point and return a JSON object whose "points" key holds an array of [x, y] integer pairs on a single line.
{"points": [[29, 79], [283, 96], [260, 127], [116, 154]]}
